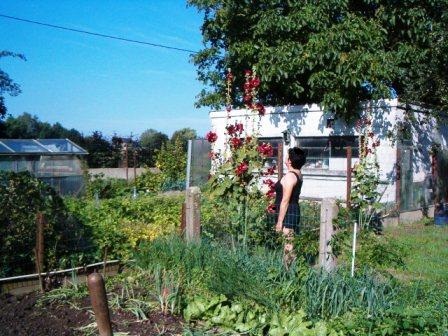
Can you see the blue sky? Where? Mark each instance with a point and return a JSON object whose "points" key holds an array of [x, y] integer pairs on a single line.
{"points": [[92, 83]]}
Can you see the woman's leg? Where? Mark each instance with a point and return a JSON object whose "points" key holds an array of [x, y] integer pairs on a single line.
{"points": [[288, 249]]}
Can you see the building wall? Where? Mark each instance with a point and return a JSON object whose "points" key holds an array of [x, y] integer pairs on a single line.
{"points": [[311, 121]]}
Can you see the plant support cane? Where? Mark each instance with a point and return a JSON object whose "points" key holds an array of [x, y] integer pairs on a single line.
{"points": [[354, 247]]}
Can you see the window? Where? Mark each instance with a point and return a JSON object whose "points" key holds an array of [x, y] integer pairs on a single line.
{"points": [[328, 152]]}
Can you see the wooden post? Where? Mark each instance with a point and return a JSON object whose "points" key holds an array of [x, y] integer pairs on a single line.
{"points": [[39, 250], [135, 165], [349, 176], [398, 180], [192, 215], [183, 219], [280, 161], [126, 161], [98, 297], [328, 211]]}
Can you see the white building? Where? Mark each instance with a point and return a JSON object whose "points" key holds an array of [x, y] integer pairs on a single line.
{"points": [[404, 165]]}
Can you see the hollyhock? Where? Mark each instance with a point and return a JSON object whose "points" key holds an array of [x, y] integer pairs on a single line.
{"points": [[270, 193], [236, 143], [211, 137], [241, 168], [270, 183], [271, 208], [265, 149], [255, 82], [260, 108]]}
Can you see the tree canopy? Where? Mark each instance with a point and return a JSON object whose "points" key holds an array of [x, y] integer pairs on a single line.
{"points": [[335, 52], [7, 85]]}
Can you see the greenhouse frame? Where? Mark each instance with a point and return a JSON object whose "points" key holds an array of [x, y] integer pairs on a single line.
{"points": [[57, 162]]}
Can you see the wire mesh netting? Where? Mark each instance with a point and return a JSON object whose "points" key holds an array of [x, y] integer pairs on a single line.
{"points": [[199, 164]]}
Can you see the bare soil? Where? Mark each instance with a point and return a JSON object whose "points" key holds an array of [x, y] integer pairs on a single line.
{"points": [[21, 315]]}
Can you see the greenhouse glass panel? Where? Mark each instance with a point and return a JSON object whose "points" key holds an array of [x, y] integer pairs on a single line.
{"points": [[24, 146], [4, 149], [61, 146]]}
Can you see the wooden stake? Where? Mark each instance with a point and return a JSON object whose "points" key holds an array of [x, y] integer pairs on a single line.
{"points": [[98, 298]]}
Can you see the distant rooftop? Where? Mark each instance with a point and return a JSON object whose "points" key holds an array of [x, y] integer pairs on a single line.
{"points": [[40, 147]]}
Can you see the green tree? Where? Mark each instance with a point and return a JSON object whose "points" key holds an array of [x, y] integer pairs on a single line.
{"points": [[7, 85], [184, 134], [336, 52], [27, 126], [100, 151], [172, 161], [150, 141]]}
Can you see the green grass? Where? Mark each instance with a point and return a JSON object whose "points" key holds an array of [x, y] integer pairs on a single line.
{"points": [[427, 252]]}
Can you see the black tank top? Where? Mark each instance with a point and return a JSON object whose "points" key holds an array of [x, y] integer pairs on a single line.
{"points": [[294, 199]]}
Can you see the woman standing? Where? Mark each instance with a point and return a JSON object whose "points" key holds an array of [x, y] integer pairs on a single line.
{"points": [[287, 192]]}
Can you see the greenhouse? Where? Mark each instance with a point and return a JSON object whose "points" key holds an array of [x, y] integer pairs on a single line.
{"points": [[57, 162]]}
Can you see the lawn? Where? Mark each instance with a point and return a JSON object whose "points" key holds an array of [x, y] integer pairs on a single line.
{"points": [[427, 251]]}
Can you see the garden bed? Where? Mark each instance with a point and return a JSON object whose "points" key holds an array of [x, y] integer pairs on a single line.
{"points": [[25, 315]]}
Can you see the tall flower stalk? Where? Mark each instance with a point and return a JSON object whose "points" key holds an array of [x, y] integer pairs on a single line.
{"points": [[236, 172]]}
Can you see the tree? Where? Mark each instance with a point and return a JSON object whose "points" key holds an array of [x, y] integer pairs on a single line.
{"points": [[27, 126], [184, 134], [336, 52], [7, 85], [150, 141], [100, 151]]}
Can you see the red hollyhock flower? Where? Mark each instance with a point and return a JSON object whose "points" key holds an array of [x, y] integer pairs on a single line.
{"points": [[271, 208], [211, 137], [265, 149], [230, 130], [239, 128], [260, 108], [255, 82], [247, 72], [241, 168], [236, 143], [229, 76], [270, 193], [247, 98], [271, 170], [269, 182], [248, 139]]}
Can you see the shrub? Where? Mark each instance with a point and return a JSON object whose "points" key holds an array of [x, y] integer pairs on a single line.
{"points": [[120, 223], [22, 197], [106, 187]]}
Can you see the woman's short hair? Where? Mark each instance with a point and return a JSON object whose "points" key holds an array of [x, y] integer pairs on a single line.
{"points": [[297, 157]]}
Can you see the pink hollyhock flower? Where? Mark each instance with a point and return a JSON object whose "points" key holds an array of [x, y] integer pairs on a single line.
{"points": [[211, 137]]}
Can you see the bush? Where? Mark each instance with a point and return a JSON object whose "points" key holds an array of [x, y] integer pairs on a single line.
{"points": [[106, 187], [22, 197], [120, 223]]}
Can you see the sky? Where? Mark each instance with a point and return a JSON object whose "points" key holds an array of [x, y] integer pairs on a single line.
{"points": [[92, 83]]}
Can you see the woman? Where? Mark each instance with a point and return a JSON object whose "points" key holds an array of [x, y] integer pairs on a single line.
{"points": [[287, 192]]}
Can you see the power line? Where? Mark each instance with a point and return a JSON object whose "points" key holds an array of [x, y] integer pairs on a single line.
{"points": [[98, 34]]}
